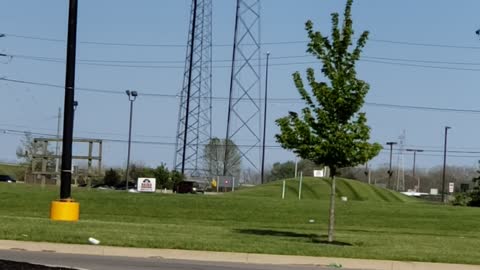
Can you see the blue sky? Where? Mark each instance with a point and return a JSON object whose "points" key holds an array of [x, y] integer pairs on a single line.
{"points": [[406, 80]]}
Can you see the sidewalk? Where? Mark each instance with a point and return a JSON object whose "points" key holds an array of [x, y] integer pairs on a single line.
{"points": [[227, 257]]}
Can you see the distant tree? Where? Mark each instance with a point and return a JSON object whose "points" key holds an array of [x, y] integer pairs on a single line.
{"points": [[111, 177], [214, 157], [287, 169], [175, 178], [162, 175], [331, 130], [281, 171], [28, 148], [139, 170], [475, 193], [250, 176]]}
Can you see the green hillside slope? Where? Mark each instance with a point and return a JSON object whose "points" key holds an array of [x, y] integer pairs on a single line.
{"points": [[319, 189]]}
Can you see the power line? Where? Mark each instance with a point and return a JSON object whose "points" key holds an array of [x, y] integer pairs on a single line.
{"points": [[271, 100], [24, 132], [62, 60], [422, 66], [406, 43], [367, 59], [171, 144]]}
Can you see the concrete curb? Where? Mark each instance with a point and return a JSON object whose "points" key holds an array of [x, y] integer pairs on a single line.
{"points": [[229, 257]]}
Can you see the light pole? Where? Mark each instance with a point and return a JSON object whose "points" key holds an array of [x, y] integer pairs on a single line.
{"points": [[444, 163], [132, 95], [265, 120], [415, 151], [66, 209], [390, 172]]}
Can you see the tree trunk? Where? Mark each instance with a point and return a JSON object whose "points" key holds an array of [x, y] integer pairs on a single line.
{"points": [[331, 224]]}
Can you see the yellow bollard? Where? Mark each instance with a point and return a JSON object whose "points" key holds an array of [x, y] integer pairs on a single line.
{"points": [[65, 210]]}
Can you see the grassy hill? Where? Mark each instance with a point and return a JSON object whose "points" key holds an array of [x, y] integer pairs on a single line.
{"points": [[15, 171], [319, 189]]}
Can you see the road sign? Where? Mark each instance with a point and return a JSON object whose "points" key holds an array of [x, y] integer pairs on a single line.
{"points": [[451, 187]]}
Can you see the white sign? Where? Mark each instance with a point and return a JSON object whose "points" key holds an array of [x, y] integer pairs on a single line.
{"points": [[433, 191], [318, 173], [146, 184], [451, 187]]}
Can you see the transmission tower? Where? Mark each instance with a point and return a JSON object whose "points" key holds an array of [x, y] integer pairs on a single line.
{"points": [[244, 113], [195, 113]]}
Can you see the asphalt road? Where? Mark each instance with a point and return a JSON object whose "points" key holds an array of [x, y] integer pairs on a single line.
{"points": [[124, 263]]}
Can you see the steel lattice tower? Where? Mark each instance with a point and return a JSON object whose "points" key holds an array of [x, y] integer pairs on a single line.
{"points": [[244, 112], [195, 114]]}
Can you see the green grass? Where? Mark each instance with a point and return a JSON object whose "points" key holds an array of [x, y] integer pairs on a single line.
{"points": [[374, 223]]}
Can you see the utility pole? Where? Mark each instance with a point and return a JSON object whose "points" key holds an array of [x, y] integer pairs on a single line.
{"points": [[444, 163], [132, 96], [415, 151], [265, 120], [390, 172]]}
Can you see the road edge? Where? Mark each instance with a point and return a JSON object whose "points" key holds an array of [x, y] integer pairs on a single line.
{"points": [[226, 257]]}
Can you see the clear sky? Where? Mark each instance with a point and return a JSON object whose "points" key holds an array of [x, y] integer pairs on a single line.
{"points": [[421, 53]]}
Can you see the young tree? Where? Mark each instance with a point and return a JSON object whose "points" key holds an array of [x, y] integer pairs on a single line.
{"points": [[214, 157], [331, 130], [162, 174]]}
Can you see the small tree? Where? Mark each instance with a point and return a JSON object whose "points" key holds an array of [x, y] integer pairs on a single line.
{"points": [[162, 175], [331, 130], [111, 178], [214, 157], [475, 193], [175, 178]]}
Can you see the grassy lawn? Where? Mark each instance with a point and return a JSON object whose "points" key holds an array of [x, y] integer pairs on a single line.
{"points": [[374, 223]]}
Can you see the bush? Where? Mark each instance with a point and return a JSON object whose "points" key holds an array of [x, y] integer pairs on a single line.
{"points": [[462, 199], [474, 198], [111, 178]]}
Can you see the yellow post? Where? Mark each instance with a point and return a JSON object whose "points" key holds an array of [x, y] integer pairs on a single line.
{"points": [[65, 210]]}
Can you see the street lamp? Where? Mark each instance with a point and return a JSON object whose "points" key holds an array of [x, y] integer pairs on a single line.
{"points": [[265, 121], [66, 209], [414, 161], [390, 172], [444, 163], [132, 95]]}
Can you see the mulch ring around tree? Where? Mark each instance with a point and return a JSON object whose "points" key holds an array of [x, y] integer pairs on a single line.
{"points": [[9, 265]]}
